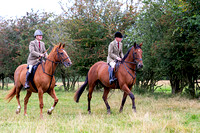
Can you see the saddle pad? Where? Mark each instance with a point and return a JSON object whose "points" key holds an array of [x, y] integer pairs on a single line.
{"points": [[32, 75]]}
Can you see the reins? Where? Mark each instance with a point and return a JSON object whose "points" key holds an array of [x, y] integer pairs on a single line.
{"points": [[53, 62], [124, 63], [125, 66]]}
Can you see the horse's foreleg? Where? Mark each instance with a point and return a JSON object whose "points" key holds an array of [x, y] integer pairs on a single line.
{"points": [[28, 94], [40, 95], [123, 102], [105, 96], [133, 101], [53, 95], [128, 91]]}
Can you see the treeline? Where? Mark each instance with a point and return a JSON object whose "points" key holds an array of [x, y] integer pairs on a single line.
{"points": [[169, 31]]}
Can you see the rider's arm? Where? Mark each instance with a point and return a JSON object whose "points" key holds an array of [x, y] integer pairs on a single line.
{"points": [[110, 51], [32, 50]]}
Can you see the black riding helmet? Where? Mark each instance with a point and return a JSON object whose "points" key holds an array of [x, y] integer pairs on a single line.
{"points": [[118, 34]]}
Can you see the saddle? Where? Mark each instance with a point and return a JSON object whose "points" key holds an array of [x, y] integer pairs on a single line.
{"points": [[31, 77]]}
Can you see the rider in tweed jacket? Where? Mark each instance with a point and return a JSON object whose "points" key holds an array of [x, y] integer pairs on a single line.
{"points": [[36, 49], [114, 53]]}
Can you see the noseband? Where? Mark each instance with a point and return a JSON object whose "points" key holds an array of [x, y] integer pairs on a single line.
{"points": [[135, 62], [59, 56]]}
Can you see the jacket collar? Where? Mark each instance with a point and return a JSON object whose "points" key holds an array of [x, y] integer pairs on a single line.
{"points": [[116, 44]]}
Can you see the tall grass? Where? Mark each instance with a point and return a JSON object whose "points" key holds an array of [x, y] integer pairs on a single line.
{"points": [[154, 114]]}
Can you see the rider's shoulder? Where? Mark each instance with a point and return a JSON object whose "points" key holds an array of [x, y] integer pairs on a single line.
{"points": [[112, 43], [33, 42]]}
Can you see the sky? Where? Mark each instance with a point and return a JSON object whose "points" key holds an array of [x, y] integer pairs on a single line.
{"points": [[18, 8]]}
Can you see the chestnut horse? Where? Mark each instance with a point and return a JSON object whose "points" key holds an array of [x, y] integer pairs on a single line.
{"points": [[44, 79], [126, 75]]}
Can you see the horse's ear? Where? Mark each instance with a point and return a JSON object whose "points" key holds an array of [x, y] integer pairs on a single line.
{"points": [[59, 45], [63, 45], [141, 44], [135, 44]]}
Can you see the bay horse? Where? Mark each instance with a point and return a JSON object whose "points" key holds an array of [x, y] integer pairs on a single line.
{"points": [[44, 79], [126, 75]]}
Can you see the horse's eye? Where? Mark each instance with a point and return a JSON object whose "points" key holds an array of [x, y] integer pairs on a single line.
{"points": [[61, 53]]}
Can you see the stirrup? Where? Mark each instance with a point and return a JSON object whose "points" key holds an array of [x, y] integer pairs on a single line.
{"points": [[111, 81], [26, 86]]}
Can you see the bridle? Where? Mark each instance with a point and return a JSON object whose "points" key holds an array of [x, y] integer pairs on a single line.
{"points": [[54, 62], [135, 62]]}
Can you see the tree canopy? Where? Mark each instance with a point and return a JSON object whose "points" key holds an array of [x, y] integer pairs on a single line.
{"points": [[169, 30]]}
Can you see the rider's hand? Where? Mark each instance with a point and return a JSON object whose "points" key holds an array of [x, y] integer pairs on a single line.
{"points": [[119, 59], [41, 55]]}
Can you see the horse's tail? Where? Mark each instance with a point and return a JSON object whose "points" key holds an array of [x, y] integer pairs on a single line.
{"points": [[11, 94], [80, 90]]}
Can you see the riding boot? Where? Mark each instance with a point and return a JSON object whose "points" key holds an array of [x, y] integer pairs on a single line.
{"points": [[111, 75], [26, 86]]}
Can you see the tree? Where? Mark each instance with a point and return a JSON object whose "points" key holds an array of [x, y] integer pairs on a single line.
{"points": [[91, 26], [170, 31]]}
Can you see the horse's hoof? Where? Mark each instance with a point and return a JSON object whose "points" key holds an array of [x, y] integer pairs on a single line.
{"points": [[134, 111], [120, 110], [18, 111], [89, 112], [41, 116], [108, 112], [49, 112], [25, 115]]}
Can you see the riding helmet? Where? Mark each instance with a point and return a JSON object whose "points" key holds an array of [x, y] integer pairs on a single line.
{"points": [[118, 34], [38, 33]]}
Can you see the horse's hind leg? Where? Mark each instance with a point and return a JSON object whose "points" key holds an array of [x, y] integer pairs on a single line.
{"points": [[18, 89], [91, 88], [123, 102], [53, 95], [105, 96], [28, 94]]}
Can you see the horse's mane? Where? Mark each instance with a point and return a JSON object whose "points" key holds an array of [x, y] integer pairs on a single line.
{"points": [[125, 56], [54, 48]]}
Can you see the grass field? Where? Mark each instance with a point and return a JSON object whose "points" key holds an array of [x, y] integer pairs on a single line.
{"points": [[155, 114]]}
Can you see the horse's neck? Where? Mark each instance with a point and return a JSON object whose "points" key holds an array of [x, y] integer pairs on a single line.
{"points": [[129, 58], [50, 66]]}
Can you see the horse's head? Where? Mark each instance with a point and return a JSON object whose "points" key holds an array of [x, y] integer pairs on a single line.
{"points": [[62, 55], [137, 55]]}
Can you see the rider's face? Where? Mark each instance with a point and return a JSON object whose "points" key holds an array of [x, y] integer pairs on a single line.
{"points": [[39, 38], [118, 39]]}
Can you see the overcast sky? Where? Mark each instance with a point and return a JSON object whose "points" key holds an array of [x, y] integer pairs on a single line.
{"points": [[18, 8]]}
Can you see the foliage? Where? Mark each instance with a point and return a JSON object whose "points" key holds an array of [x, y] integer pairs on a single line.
{"points": [[91, 25], [170, 32]]}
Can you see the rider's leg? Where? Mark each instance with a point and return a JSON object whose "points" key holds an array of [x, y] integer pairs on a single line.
{"points": [[26, 86], [111, 72]]}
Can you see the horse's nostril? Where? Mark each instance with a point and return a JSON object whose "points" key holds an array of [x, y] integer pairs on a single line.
{"points": [[140, 65]]}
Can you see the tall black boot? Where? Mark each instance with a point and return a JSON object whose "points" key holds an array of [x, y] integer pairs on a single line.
{"points": [[26, 86], [111, 75]]}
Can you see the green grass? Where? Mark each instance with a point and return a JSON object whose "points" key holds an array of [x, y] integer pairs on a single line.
{"points": [[155, 114]]}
